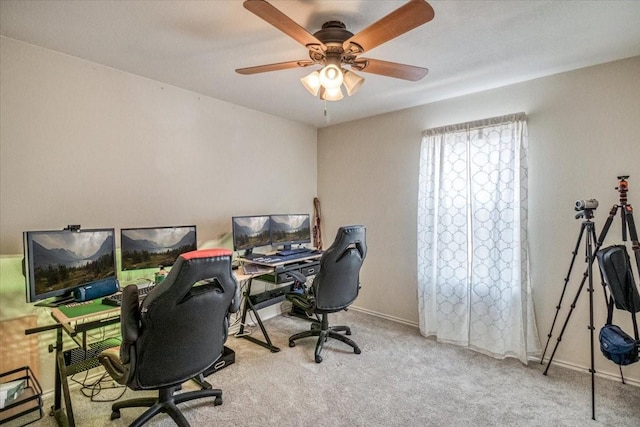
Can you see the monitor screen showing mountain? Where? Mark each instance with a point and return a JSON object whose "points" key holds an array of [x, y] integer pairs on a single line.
{"points": [[57, 262], [290, 229], [151, 247]]}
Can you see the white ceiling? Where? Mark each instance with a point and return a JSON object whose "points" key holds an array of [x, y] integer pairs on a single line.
{"points": [[196, 45]]}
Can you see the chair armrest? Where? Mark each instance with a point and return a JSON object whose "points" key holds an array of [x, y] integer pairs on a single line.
{"points": [[297, 276], [129, 321], [110, 359], [303, 301], [235, 302]]}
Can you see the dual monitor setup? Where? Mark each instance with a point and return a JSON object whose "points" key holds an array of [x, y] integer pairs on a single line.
{"points": [[250, 232], [58, 262]]}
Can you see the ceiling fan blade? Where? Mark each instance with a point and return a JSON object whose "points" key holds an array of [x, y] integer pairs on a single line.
{"points": [[285, 24], [398, 22], [274, 67], [390, 69]]}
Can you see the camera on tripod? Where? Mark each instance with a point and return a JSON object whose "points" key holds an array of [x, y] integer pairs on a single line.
{"points": [[585, 208], [586, 204]]}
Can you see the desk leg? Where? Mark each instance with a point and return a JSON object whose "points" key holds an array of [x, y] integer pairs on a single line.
{"points": [[63, 420], [245, 309], [58, 381], [61, 389]]}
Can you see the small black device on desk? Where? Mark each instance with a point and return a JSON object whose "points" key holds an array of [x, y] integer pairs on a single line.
{"points": [[288, 252], [116, 299]]}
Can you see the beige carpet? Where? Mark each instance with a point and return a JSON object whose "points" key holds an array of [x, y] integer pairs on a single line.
{"points": [[400, 379]]}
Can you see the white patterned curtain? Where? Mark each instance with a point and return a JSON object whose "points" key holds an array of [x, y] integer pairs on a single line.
{"points": [[473, 282]]}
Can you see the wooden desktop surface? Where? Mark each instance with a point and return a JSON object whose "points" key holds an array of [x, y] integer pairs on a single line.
{"points": [[105, 310], [95, 308]]}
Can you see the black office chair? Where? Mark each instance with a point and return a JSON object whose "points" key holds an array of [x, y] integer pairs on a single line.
{"points": [[334, 288], [176, 333]]}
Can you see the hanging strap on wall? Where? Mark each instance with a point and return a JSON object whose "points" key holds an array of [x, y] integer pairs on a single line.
{"points": [[317, 232]]}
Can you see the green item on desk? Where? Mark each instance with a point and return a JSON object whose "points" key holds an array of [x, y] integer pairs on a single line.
{"points": [[76, 309]]}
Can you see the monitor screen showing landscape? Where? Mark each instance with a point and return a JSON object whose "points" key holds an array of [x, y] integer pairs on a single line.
{"points": [[290, 229], [57, 262], [250, 232], [151, 247]]}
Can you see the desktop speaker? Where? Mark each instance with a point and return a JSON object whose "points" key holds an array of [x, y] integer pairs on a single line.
{"points": [[97, 289]]}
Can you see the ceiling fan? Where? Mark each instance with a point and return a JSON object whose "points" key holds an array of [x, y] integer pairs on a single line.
{"points": [[334, 47]]}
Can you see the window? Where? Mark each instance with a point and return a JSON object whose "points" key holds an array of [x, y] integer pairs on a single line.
{"points": [[473, 282]]}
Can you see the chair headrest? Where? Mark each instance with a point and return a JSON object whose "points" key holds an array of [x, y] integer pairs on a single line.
{"points": [[350, 236], [206, 253]]}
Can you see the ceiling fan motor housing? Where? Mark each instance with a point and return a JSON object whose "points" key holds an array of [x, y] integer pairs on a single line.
{"points": [[333, 32]]}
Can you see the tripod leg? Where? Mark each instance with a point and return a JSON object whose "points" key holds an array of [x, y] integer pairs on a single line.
{"points": [[564, 288], [600, 240], [623, 219], [591, 328], [607, 225], [589, 260], [566, 322], [635, 245]]}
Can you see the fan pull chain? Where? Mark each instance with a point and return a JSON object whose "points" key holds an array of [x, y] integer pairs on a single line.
{"points": [[327, 117]]}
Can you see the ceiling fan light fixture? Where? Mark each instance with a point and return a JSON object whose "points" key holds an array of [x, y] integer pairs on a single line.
{"points": [[333, 94], [311, 82], [331, 76], [352, 82]]}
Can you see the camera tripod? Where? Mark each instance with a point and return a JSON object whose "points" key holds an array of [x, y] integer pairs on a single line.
{"points": [[588, 227]]}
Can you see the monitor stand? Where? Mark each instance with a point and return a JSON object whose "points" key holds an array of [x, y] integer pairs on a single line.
{"points": [[248, 254], [56, 301]]}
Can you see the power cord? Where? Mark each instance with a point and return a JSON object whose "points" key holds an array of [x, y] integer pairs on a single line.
{"points": [[92, 390]]}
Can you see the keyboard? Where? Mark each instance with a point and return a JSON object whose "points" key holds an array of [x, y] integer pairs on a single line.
{"points": [[288, 252], [116, 299]]}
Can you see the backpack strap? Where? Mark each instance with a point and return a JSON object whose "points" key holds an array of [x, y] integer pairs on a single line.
{"points": [[630, 290], [610, 310]]}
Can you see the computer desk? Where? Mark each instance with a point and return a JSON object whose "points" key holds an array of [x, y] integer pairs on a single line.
{"points": [[279, 272], [96, 315]]}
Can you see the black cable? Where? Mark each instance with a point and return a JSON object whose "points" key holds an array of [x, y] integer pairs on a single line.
{"points": [[94, 389]]}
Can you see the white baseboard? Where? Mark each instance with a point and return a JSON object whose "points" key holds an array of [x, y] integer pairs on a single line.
{"points": [[384, 316], [606, 375]]}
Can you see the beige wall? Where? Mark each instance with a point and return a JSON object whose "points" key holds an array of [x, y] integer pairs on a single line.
{"points": [[85, 144], [584, 130], [90, 145]]}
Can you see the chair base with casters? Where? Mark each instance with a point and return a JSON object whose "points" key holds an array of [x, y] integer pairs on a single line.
{"points": [[166, 402], [324, 332]]}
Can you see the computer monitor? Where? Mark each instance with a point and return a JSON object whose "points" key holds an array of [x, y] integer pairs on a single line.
{"points": [[250, 232], [57, 262], [151, 247], [290, 229]]}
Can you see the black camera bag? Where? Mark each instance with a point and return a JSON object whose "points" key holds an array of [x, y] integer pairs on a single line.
{"points": [[618, 346], [615, 344]]}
